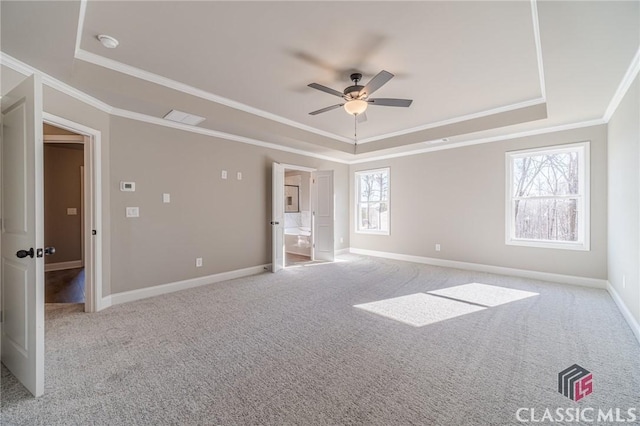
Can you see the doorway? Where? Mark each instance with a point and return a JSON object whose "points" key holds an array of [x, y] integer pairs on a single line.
{"points": [[76, 276], [297, 217], [64, 215], [301, 236]]}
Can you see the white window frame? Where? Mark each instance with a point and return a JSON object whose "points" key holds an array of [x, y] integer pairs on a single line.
{"points": [[584, 205], [357, 200]]}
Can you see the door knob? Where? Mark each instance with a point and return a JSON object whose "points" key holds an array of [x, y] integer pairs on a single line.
{"points": [[49, 251], [24, 253]]}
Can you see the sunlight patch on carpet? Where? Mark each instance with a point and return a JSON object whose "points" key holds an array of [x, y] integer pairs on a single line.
{"points": [[419, 309], [483, 294]]}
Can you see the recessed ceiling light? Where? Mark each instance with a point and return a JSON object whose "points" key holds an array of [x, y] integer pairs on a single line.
{"points": [[108, 41]]}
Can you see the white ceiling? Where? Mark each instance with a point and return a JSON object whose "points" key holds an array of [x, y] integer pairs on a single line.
{"points": [[245, 66]]}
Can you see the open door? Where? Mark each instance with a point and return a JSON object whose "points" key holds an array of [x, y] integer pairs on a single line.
{"points": [[22, 235], [322, 247], [277, 218]]}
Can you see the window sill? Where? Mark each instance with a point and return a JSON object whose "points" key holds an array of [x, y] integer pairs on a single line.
{"points": [[549, 245], [372, 232]]}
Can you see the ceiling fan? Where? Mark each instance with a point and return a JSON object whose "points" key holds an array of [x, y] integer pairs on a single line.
{"points": [[357, 98]]}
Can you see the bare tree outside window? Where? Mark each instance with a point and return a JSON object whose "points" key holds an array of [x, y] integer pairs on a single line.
{"points": [[547, 199], [373, 201]]}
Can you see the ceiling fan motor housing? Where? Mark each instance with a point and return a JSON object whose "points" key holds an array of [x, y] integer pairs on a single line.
{"points": [[353, 91]]}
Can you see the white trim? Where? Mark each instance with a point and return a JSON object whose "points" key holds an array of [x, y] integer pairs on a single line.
{"points": [[217, 134], [628, 316], [190, 90], [24, 69], [81, 15], [342, 251], [623, 87], [501, 270], [61, 266], [93, 203], [584, 205], [455, 120], [143, 293], [536, 37], [298, 168], [52, 82], [559, 128]]}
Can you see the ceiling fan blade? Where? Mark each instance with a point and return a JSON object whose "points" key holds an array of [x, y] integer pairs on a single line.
{"points": [[362, 117], [390, 102], [376, 82], [329, 108], [326, 89]]}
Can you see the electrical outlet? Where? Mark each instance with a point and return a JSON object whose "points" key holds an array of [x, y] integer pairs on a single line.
{"points": [[223, 175], [239, 175], [437, 247], [198, 262], [166, 198]]}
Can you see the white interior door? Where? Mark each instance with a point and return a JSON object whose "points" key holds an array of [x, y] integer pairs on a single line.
{"points": [[323, 215], [22, 235], [277, 218]]}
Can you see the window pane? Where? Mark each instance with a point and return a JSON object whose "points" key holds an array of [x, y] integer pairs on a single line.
{"points": [[546, 219], [373, 217], [546, 174], [374, 186]]}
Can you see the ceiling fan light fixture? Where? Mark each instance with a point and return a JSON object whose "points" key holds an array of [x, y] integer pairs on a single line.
{"points": [[355, 107]]}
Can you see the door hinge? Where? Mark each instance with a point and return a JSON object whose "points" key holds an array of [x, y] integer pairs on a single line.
{"points": [[94, 232]]}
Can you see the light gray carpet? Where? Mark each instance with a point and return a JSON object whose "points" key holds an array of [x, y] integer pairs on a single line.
{"points": [[291, 349]]}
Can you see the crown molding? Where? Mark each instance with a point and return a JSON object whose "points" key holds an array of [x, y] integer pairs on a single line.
{"points": [[455, 120], [536, 38], [52, 82], [508, 136], [623, 87]]}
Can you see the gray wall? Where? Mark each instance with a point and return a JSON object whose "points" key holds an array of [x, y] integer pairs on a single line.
{"points": [[226, 222], [456, 198], [624, 195], [62, 190]]}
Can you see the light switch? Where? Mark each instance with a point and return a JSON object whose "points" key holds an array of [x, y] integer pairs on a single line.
{"points": [[133, 212], [224, 174], [166, 198], [72, 211], [239, 175]]}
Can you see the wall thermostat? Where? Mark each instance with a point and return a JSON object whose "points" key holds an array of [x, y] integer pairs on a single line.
{"points": [[128, 186]]}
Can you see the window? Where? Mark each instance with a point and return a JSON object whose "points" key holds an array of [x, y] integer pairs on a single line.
{"points": [[372, 203], [548, 197]]}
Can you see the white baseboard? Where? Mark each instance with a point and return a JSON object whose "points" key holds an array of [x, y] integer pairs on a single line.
{"points": [[104, 303], [143, 293], [524, 273], [633, 323], [60, 266]]}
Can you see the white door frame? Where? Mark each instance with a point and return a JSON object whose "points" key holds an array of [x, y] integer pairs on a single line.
{"points": [[92, 208]]}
